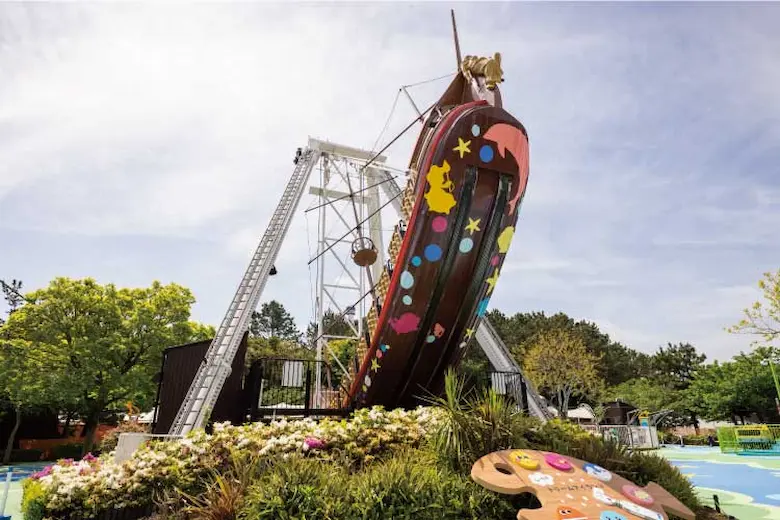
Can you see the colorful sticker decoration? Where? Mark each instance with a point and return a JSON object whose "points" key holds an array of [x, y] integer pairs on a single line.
{"points": [[438, 330], [475, 130], [638, 495], [523, 460], [597, 471], [432, 253], [473, 225], [508, 137], [440, 187], [611, 515], [556, 461], [541, 479], [482, 307], [407, 300], [505, 238], [466, 245], [375, 363], [569, 513], [416, 261], [486, 153], [431, 338], [405, 323], [494, 260], [407, 280], [492, 281], [439, 224], [462, 148]]}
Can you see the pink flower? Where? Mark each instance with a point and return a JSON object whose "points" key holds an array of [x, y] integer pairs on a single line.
{"points": [[43, 473], [89, 457], [313, 443]]}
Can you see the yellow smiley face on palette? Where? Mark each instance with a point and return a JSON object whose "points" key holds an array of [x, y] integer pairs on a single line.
{"points": [[523, 460]]}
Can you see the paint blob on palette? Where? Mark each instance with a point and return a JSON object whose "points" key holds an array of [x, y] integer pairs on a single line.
{"points": [[572, 489]]}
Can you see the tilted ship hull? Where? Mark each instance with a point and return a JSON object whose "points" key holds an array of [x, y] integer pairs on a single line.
{"points": [[469, 174]]}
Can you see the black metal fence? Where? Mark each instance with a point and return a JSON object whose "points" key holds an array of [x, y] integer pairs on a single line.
{"points": [[282, 386]]}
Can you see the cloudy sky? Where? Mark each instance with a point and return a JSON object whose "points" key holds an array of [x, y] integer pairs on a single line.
{"points": [[152, 143]]}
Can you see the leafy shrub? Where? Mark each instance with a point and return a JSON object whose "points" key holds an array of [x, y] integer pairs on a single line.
{"points": [[411, 485], [111, 439], [475, 424], [33, 500], [26, 455], [90, 488], [298, 488], [223, 495]]}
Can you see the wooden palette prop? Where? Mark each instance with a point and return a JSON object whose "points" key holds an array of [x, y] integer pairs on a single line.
{"points": [[572, 489]]}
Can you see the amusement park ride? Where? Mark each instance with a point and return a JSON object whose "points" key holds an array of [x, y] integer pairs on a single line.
{"points": [[418, 306]]}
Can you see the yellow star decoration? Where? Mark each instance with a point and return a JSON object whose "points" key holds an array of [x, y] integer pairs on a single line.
{"points": [[374, 365], [462, 148], [469, 333], [473, 225], [492, 281]]}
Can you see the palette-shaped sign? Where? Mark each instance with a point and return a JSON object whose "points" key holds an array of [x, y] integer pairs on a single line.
{"points": [[572, 489]]}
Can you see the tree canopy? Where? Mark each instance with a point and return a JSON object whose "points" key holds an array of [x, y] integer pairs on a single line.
{"points": [[762, 319], [559, 363], [108, 340], [617, 363], [274, 321]]}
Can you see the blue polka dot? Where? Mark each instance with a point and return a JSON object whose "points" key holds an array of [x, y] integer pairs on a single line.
{"points": [[431, 338], [407, 300], [465, 245], [486, 153], [475, 130], [416, 261], [432, 253], [407, 280], [482, 307]]}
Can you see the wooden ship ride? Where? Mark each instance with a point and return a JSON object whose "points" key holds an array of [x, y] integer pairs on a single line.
{"points": [[465, 185]]}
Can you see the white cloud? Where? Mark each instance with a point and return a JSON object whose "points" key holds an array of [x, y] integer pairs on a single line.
{"points": [[653, 168]]}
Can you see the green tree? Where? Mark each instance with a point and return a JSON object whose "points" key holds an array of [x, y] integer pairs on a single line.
{"points": [[333, 323], [12, 296], [110, 339], [736, 388], [617, 363], [559, 364], [762, 319], [30, 378], [345, 351], [275, 347], [675, 365], [674, 368], [273, 321]]}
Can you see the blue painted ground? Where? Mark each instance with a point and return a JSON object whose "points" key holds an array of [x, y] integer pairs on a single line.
{"points": [[21, 472], [762, 485]]}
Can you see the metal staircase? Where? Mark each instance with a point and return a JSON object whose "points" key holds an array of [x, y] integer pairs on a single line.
{"points": [[215, 369], [502, 361]]}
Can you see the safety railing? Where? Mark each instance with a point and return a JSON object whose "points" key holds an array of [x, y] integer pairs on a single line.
{"points": [[298, 387], [634, 437], [750, 439]]}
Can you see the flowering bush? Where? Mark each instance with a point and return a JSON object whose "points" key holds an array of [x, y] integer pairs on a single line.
{"points": [[93, 485]]}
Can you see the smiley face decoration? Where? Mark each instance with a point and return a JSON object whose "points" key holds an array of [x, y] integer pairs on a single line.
{"points": [[571, 489]]}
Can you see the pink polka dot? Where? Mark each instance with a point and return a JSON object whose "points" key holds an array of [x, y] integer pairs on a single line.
{"points": [[379, 354], [494, 261], [439, 224]]}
